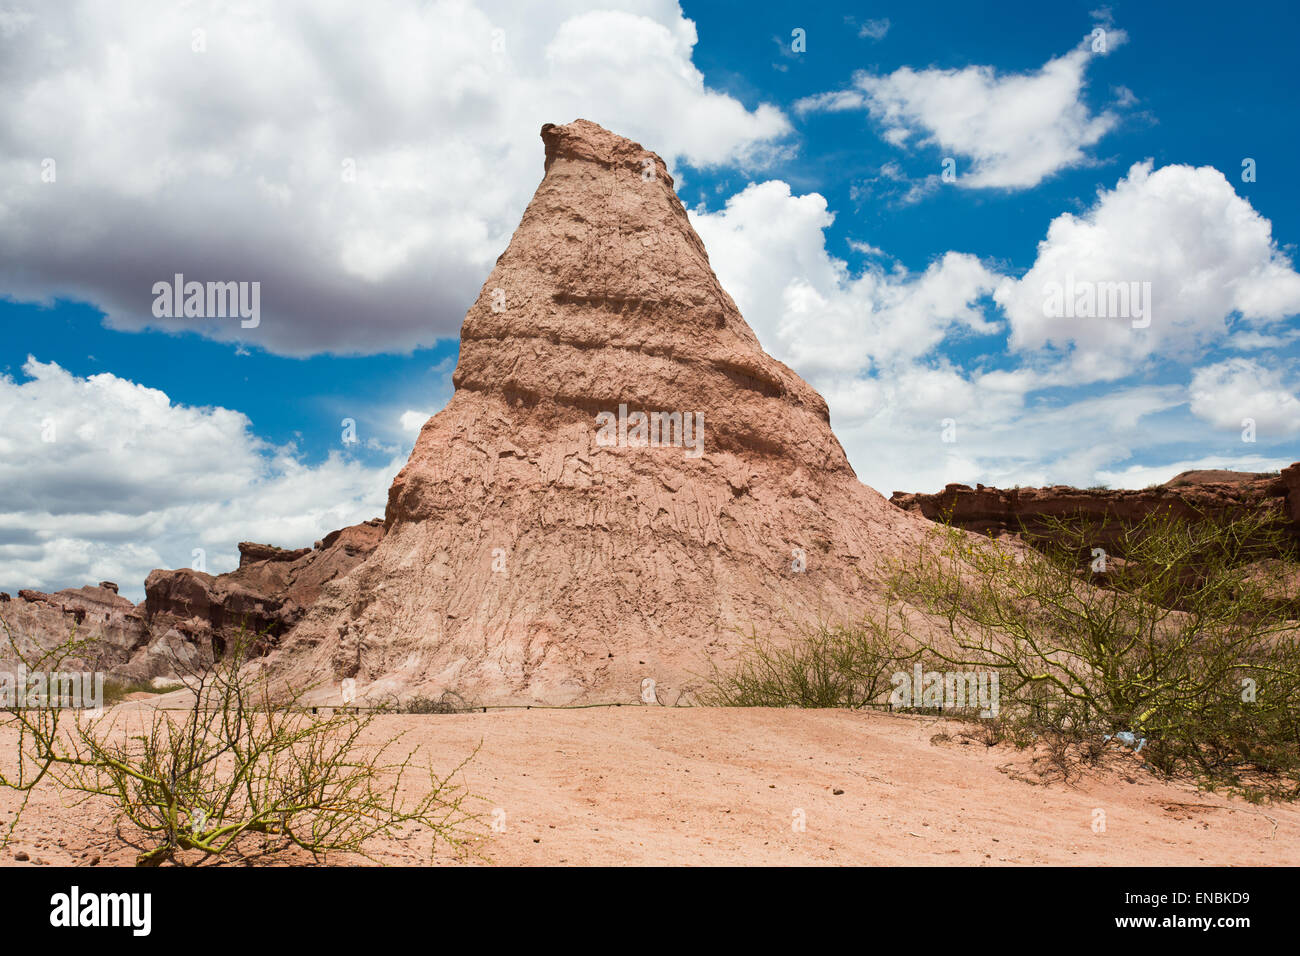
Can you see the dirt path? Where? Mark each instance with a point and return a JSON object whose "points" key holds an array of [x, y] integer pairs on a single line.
{"points": [[724, 786]]}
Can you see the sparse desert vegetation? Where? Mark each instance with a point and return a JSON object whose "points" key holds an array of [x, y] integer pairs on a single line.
{"points": [[242, 772], [1188, 642]]}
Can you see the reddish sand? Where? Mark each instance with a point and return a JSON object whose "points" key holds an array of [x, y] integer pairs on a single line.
{"points": [[649, 785]]}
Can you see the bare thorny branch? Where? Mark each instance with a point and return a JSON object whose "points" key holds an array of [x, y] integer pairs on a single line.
{"points": [[241, 764]]}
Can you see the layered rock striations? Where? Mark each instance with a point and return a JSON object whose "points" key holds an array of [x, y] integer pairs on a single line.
{"points": [[187, 617], [998, 511], [540, 545]]}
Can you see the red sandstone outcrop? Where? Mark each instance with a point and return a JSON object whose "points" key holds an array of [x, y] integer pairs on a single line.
{"points": [[533, 554], [994, 511], [264, 596], [36, 620], [187, 616]]}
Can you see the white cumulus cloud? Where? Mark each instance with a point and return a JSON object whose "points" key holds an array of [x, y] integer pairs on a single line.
{"points": [[105, 479], [1182, 232], [1012, 130], [365, 163], [768, 248], [899, 354], [1227, 393]]}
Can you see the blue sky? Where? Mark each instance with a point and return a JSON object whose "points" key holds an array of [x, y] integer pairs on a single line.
{"points": [[210, 141]]}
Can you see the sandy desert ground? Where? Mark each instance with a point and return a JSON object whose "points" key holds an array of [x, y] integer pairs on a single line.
{"points": [[703, 786]]}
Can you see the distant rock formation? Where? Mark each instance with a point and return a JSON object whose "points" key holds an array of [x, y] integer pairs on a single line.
{"points": [[187, 616], [542, 546], [994, 511], [266, 595], [37, 621]]}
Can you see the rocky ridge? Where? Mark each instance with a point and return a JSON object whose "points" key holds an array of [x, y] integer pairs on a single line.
{"points": [[187, 616], [999, 511]]}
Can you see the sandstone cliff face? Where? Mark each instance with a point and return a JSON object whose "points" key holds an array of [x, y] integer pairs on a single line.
{"points": [[265, 596], [36, 620], [528, 560], [995, 511], [187, 616]]}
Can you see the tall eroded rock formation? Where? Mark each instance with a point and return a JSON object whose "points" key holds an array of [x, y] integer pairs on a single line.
{"points": [[536, 549]]}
